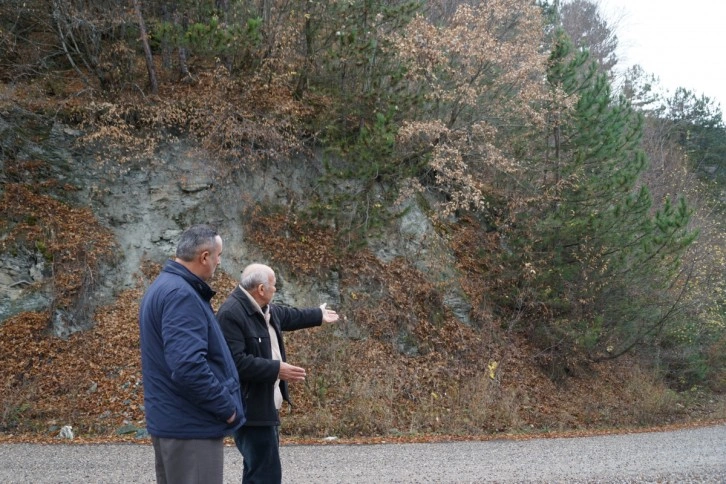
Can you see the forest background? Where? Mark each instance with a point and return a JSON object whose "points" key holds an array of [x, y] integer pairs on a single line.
{"points": [[579, 212]]}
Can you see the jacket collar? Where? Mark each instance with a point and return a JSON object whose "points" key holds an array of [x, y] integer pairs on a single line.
{"points": [[247, 302], [192, 279]]}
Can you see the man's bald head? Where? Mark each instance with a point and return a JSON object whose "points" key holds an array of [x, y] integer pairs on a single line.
{"points": [[255, 274]]}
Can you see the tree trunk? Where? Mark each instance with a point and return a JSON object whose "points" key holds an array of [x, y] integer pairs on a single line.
{"points": [[183, 63], [166, 48], [147, 49]]}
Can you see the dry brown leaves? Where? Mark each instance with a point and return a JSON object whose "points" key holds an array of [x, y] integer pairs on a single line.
{"points": [[71, 238], [397, 368], [91, 380], [292, 242]]}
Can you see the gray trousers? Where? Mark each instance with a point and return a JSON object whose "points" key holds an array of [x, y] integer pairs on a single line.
{"points": [[189, 461]]}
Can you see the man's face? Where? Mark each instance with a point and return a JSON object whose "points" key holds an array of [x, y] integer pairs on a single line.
{"points": [[270, 289], [213, 258]]}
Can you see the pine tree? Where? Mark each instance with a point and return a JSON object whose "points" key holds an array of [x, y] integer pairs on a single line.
{"points": [[607, 261], [699, 129]]}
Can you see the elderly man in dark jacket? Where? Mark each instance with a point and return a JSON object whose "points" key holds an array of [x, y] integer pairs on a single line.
{"points": [[192, 396], [253, 328]]}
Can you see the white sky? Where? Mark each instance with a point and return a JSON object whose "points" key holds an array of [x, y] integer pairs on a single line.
{"points": [[683, 42]]}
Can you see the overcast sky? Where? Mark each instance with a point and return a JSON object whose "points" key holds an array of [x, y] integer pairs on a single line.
{"points": [[683, 42]]}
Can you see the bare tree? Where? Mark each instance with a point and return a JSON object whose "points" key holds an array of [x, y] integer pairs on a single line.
{"points": [[587, 28], [147, 49]]}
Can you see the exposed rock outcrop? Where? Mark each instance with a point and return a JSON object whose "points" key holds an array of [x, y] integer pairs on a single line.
{"points": [[147, 200]]}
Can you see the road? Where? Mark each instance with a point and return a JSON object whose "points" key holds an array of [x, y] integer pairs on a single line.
{"points": [[695, 455]]}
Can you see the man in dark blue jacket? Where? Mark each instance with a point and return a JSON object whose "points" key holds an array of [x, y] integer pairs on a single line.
{"points": [[253, 328], [192, 395]]}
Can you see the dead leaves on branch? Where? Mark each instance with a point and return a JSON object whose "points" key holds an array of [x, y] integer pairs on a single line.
{"points": [[232, 118]]}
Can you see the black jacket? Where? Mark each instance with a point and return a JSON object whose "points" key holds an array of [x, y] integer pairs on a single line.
{"points": [[246, 333]]}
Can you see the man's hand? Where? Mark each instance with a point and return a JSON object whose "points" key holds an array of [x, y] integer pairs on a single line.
{"points": [[231, 419], [329, 316], [291, 373]]}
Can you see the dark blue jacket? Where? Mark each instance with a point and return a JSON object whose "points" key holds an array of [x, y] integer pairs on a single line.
{"points": [[191, 385]]}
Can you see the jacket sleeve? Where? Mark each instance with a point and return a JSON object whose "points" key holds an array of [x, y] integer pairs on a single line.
{"points": [[185, 335], [253, 364], [291, 319]]}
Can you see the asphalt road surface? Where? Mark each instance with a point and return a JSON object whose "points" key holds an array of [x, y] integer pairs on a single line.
{"points": [[685, 456]]}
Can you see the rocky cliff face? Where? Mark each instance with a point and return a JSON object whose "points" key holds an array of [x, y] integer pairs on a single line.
{"points": [[146, 200]]}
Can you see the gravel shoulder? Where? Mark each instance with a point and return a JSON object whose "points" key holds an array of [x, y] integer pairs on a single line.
{"points": [[690, 455]]}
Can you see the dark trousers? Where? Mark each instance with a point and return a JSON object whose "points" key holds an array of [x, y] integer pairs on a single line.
{"points": [[188, 461], [260, 448]]}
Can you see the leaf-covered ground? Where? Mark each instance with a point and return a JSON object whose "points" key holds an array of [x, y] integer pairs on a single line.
{"points": [[92, 381]]}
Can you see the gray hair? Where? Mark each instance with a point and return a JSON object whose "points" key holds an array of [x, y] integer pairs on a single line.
{"points": [[255, 274], [195, 239]]}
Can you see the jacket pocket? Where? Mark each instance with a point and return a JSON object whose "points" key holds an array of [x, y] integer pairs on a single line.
{"points": [[259, 346]]}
